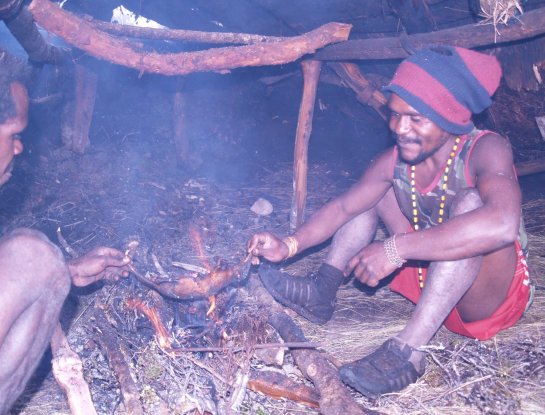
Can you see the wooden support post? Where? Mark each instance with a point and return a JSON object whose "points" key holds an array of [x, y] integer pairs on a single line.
{"points": [[181, 141], [78, 110], [311, 75], [526, 168]]}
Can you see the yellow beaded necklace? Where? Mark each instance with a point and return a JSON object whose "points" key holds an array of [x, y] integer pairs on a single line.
{"points": [[443, 199]]}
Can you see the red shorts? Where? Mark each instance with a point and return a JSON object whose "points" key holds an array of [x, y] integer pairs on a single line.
{"points": [[507, 314]]}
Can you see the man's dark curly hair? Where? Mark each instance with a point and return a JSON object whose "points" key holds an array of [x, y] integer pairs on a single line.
{"points": [[11, 70]]}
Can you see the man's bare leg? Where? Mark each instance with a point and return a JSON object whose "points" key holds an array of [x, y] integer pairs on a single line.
{"points": [[35, 281], [360, 231], [477, 285]]}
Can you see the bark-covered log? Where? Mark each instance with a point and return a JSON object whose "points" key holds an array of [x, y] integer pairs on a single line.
{"points": [[181, 35], [529, 25], [78, 108], [335, 399], [68, 372], [101, 45], [118, 362]]}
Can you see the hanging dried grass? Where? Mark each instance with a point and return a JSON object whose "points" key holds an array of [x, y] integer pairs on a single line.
{"points": [[499, 11]]}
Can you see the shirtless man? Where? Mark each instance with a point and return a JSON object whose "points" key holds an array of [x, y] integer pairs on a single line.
{"points": [[34, 276], [449, 197]]}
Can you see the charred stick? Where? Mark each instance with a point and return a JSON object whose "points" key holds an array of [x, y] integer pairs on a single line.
{"points": [[65, 245], [288, 345]]}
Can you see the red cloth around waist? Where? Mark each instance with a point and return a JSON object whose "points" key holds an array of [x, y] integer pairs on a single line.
{"points": [[505, 316]]}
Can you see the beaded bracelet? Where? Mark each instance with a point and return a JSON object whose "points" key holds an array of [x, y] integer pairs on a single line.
{"points": [[391, 252], [292, 245]]}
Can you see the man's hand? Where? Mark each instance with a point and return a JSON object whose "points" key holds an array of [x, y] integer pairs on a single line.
{"points": [[370, 265], [101, 262], [268, 246]]}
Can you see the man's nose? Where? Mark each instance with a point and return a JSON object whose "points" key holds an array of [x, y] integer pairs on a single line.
{"points": [[401, 125]]}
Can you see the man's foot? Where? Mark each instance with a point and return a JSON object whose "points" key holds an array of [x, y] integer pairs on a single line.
{"points": [[387, 369], [312, 297]]}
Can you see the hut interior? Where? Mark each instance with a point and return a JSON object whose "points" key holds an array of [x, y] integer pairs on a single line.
{"points": [[176, 129]]}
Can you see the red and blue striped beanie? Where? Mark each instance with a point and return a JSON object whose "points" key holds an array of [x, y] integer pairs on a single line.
{"points": [[447, 84]]}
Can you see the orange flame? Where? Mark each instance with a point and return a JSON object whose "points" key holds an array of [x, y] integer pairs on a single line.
{"points": [[199, 246], [153, 316], [212, 307]]}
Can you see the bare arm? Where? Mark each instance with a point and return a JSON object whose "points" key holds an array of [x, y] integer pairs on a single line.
{"points": [[492, 226], [362, 196]]}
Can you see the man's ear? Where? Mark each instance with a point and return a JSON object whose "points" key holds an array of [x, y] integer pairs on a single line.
{"points": [[17, 147]]}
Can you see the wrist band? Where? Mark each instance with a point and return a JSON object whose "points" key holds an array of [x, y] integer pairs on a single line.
{"points": [[391, 252], [292, 245]]}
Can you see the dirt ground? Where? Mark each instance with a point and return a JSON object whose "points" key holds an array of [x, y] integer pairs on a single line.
{"points": [[130, 186]]}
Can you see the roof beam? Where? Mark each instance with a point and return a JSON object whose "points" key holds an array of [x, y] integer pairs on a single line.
{"points": [[530, 24]]}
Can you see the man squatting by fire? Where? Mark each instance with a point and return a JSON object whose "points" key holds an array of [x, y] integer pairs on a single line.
{"points": [[34, 276], [449, 198]]}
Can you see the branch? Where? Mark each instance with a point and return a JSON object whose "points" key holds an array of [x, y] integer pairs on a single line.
{"points": [[180, 35], [529, 25], [101, 45]]}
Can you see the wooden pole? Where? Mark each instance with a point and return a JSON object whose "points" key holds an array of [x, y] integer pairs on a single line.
{"points": [[529, 25], [311, 75], [78, 110], [526, 168], [181, 140]]}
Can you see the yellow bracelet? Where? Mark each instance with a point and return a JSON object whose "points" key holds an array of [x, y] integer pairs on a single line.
{"points": [[292, 245]]}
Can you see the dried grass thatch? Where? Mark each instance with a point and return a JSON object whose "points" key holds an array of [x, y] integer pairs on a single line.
{"points": [[499, 11]]}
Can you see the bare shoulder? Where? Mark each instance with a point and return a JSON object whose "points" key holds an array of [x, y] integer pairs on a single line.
{"points": [[492, 154], [382, 165]]}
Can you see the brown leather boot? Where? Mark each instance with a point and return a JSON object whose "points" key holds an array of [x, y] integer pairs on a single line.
{"points": [[313, 296]]}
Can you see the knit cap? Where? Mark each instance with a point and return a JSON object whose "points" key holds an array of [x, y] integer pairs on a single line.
{"points": [[447, 85]]}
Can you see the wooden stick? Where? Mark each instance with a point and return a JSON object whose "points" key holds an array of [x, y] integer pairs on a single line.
{"points": [[78, 109], [334, 396], [181, 35], [287, 345], [68, 372], [529, 25], [311, 75], [526, 168], [279, 386], [112, 349], [101, 45], [365, 92]]}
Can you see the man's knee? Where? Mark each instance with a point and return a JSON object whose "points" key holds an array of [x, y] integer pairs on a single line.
{"points": [[466, 200], [30, 254]]}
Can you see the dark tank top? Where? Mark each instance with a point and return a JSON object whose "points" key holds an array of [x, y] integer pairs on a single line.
{"points": [[428, 199]]}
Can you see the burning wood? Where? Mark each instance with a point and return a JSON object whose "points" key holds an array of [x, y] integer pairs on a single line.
{"points": [[279, 386], [199, 247], [189, 288], [163, 336]]}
